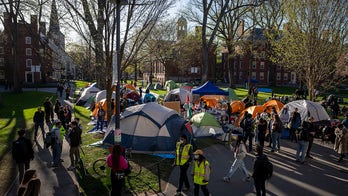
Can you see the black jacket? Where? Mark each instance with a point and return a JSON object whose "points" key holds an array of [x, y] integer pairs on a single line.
{"points": [[259, 167], [39, 117]]}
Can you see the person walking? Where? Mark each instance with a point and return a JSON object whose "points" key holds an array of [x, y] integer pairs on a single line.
{"points": [[302, 143], [239, 154], [277, 127], [38, 119], [67, 92], [341, 141], [259, 173], [57, 146], [22, 153], [48, 107], [118, 164], [183, 157], [74, 135], [200, 173], [311, 133]]}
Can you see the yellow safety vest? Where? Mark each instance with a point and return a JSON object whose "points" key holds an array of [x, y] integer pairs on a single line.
{"points": [[185, 154], [199, 172]]}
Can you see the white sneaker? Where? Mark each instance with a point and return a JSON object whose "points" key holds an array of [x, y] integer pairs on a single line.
{"points": [[226, 179]]}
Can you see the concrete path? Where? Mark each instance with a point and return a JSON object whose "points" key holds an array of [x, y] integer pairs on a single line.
{"points": [[54, 181], [319, 176]]}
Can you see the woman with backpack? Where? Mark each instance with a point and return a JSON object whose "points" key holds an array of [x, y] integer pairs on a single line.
{"points": [[239, 155]]}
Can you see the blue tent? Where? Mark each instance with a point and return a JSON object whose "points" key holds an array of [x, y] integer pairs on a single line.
{"points": [[147, 128], [209, 89]]}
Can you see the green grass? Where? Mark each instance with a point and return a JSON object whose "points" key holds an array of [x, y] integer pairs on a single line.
{"points": [[81, 84]]}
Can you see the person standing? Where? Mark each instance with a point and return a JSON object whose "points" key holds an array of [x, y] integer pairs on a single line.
{"points": [[56, 107], [341, 141], [302, 143], [100, 118], [201, 173], [262, 129], [311, 133], [39, 122], [239, 155], [295, 123], [183, 157], [248, 130], [67, 92], [118, 164], [22, 153], [58, 144], [259, 173], [74, 136], [276, 133], [48, 106]]}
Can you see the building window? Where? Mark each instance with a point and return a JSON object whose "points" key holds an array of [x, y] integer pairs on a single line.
{"points": [[278, 67], [2, 74], [262, 65], [240, 75], [28, 62], [278, 76], [194, 69], [254, 65], [262, 76], [263, 55], [253, 75], [286, 76], [241, 64], [2, 62], [28, 40], [1, 50], [28, 51]]}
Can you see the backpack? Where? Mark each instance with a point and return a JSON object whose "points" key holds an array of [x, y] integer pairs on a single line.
{"points": [[50, 139], [20, 150], [268, 167], [302, 134]]}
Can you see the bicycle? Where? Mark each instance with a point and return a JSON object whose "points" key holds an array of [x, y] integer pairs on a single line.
{"points": [[99, 166]]}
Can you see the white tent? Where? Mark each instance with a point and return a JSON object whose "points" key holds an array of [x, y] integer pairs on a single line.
{"points": [[308, 108], [102, 95], [178, 93], [86, 94]]}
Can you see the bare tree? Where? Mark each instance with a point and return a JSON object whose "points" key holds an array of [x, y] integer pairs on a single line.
{"points": [[313, 40]]}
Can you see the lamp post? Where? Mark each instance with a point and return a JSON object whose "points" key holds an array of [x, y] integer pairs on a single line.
{"points": [[118, 63]]}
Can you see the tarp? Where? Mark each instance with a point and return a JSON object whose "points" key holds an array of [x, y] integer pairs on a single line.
{"points": [[205, 124], [178, 94], [306, 108], [130, 87], [86, 94], [209, 89], [149, 127]]}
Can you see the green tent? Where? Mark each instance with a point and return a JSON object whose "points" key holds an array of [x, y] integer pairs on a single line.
{"points": [[232, 95], [205, 124], [171, 84]]}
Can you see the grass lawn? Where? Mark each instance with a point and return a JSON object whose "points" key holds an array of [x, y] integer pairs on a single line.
{"points": [[16, 111]]}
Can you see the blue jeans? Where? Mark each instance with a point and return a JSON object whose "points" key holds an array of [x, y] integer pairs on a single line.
{"points": [[238, 163], [56, 153], [276, 141], [101, 124], [301, 148]]}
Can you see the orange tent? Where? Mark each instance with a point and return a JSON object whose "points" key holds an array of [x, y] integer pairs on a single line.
{"points": [[278, 105], [253, 110], [104, 105], [130, 87], [237, 106]]}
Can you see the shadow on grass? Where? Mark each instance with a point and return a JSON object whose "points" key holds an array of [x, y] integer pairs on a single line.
{"points": [[92, 185], [77, 112]]}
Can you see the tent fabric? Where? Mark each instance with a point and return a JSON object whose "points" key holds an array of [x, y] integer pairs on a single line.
{"points": [[102, 95], [306, 108], [178, 94], [253, 110], [130, 87], [149, 127], [170, 84], [232, 95], [87, 93], [237, 106], [209, 89], [158, 87], [278, 105], [205, 124]]}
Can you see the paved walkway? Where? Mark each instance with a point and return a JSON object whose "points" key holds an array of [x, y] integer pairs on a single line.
{"points": [[54, 181], [319, 176]]}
